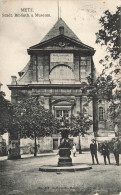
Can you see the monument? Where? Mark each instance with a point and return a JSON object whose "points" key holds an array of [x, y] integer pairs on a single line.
{"points": [[65, 150], [64, 160]]}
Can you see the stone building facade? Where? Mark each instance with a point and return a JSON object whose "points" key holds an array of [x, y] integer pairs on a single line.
{"points": [[57, 73]]}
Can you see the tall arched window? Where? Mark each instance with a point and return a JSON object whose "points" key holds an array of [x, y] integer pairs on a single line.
{"points": [[61, 74], [101, 113]]}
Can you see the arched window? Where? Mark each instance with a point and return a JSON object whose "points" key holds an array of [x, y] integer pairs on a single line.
{"points": [[101, 113], [62, 74]]}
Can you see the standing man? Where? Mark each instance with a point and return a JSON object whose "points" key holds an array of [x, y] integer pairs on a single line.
{"points": [[106, 152], [9, 148], [93, 150], [116, 150]]}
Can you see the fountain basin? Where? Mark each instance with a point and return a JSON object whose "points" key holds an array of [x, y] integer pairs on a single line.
{"points": [[74, 167]]}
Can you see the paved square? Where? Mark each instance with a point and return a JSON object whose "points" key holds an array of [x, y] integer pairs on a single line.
{"points": [[23, 177]]}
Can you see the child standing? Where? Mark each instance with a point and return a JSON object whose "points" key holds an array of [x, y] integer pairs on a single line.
{"points": [[74, 149]]}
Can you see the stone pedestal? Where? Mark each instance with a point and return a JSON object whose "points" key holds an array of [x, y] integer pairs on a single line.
{"points": [[64, 150], [64, 159]]}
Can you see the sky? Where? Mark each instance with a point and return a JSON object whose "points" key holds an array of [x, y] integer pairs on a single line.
{"points": [[17, 34]]}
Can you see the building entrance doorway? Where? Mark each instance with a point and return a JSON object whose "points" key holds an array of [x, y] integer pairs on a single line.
{"points": [[55, 144]]}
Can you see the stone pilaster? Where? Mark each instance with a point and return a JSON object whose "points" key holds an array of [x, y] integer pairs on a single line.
{"points": [[34, 64], [30, 70], [46, 68], [40, 69], [76, 67]]}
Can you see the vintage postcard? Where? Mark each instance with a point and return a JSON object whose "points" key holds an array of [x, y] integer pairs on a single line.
{"points": [[60, 92]]}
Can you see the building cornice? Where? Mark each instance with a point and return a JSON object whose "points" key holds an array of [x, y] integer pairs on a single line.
{"points": [[81, 52], [85, 48], [62, 36], [38, 85]]}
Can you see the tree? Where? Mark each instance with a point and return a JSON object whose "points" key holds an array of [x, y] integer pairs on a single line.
{"points": [[5, 113], [109, 36], [33, 120], [114, 110], [101, 87], [80, 125]]}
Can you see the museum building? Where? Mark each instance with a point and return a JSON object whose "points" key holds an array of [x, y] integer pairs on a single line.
{"points": [[57, 74]]}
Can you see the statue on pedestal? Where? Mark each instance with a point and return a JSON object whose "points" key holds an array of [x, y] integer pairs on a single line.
{"points": [[64, 150]]}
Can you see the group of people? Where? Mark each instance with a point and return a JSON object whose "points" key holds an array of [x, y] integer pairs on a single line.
{"points": [[105, 151]]}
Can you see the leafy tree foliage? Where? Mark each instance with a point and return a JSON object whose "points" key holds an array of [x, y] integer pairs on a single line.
{"points": [[114, 110], [5, 113], [80, 125], [109, 34], [33, 120], [102, 87], [109, 37]]}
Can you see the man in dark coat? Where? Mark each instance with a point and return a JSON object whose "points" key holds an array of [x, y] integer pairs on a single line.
{"points": [[106, 152], [116, 150], [93, 150]]}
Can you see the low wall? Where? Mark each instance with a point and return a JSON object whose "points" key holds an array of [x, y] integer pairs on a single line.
{"points": [[45, 144]]}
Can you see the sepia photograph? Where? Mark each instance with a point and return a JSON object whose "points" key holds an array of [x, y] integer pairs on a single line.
{"points": [[60, 97]]}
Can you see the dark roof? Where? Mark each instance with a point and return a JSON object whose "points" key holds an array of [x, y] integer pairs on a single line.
{"points": [[57, 32], [54, 31]]}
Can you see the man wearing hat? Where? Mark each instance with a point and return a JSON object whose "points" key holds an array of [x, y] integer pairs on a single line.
{"points": [[106, 152], [116, 150], [93, 150]]}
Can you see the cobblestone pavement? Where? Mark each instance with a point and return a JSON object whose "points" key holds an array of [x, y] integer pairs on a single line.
{"points": [[23, 177]]}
